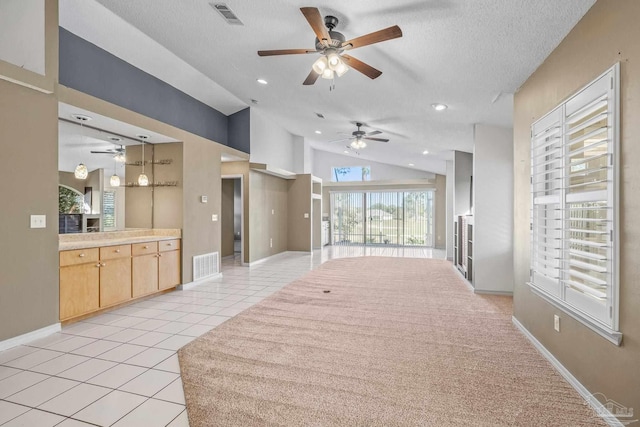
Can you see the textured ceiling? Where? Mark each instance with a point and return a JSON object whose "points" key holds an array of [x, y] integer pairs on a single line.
{"points": [[469, 54]]}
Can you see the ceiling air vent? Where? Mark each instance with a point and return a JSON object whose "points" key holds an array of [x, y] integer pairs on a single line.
{"points": [[320, 115], [226, 13]]}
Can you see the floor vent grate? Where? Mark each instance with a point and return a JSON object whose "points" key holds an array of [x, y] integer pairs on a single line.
{"points": [[205, 266]]}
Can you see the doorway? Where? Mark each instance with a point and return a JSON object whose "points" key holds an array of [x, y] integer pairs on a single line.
{"points": [[232, 217], [396, 218]]}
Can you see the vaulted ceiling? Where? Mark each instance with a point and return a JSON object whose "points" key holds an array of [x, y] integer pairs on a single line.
{"points": [[471, 55]]}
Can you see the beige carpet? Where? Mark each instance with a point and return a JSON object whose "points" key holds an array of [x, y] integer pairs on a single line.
{"points": [[395, 342]]}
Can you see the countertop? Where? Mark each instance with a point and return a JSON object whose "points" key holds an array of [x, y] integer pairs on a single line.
{"points": [[114, 238]]}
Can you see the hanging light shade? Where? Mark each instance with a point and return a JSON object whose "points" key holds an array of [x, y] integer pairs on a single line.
{"points": [[143, 180], [333, 60], [341, 68], [115, 180], [358, 144], [81, 171], [320, 65], [327, 74]]}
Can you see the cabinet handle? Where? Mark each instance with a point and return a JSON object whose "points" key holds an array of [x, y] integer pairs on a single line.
{"points": [[146, 247], [103, 265], [81, 255], [98, 265], [159, 255], [117, 251]]}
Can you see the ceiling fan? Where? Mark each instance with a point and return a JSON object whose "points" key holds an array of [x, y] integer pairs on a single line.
{"points": [[118, 153], [332, 45], [359, 136]]}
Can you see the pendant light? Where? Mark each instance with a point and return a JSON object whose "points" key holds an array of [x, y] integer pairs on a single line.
{"points": [[143, 180], [81, 171], [115, 179]]}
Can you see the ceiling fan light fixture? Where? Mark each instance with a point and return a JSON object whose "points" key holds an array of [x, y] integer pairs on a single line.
{"points": [[327, 74], [81, 171], [333, 60], [120, 157], [115, 180], [320, 65], [341, 69], [358, 144]]}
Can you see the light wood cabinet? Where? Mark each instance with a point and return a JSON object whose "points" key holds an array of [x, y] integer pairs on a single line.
{"points": [[168, 269], [145, 275], [115, 274], [96, 278], [79, 282]]}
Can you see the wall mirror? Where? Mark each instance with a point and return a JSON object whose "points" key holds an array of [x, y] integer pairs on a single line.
{"points": [[102, 165]]}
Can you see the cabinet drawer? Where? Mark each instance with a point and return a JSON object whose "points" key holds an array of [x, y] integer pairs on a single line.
{"points": [[168, 245], [78, 256], [144, 248], [114, 252]]}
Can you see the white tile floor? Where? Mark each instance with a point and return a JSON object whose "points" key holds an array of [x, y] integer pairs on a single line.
{"points": [[121, 368]]}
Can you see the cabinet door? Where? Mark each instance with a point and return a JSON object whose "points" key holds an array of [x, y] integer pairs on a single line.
{"points": [[169, 269], [144, 274], [79, 289], [115, 281]]}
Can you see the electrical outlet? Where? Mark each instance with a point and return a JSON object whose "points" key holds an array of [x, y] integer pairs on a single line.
{"points": [[204, 199], [38, 221], [270, 242], [306, 215], [214, 217], [556, 322]]}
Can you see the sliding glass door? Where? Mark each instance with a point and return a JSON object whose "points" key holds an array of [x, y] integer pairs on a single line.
{"points": [[399, 218]]}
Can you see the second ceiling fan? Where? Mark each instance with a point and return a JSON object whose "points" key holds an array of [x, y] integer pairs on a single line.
{"points": [[332, 46], [359, 136]]}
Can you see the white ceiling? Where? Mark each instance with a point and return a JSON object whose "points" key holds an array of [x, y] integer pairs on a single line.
{"points": [[469, 54]]}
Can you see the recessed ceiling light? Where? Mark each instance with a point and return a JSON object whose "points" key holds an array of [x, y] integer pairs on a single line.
{"points": [[318, 132], [439, 107], [262, 81], [411, 164], [425, 152]]}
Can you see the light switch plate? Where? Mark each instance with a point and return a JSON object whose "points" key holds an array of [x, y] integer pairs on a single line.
{"points": [[204, 199], [38, 221], [214, 217], [556, 322]]}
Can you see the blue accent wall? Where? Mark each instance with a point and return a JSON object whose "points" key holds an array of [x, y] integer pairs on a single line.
{"points": [[240, 130], [89, 69]]}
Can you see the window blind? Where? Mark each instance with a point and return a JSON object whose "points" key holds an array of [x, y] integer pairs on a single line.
{"points": [[573, 190]]}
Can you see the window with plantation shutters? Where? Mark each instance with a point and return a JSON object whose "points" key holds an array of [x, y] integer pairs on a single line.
{"points": [[574, 212]]}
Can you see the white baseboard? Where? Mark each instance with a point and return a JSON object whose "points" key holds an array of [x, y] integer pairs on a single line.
{"points": [[190, 285], [582, 390], [503, 293], [30, 336], [270, 258]]}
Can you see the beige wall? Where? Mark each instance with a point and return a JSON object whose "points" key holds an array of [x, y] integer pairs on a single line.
{"points": [[608, 33], [241, 168], [28, 186], [300, 230], [200, 235], [269, 215], [226, 218]]}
